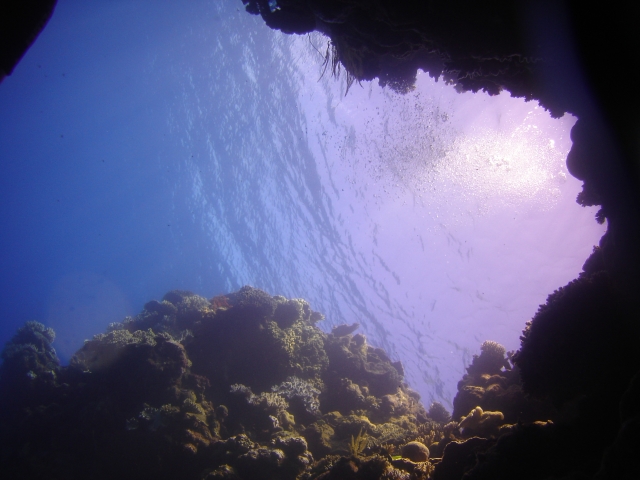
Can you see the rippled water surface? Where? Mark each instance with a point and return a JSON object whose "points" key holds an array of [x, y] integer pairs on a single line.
{"points": [[191, 147]]}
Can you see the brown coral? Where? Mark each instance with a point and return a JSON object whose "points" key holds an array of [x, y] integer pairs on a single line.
{"points": [[415, 451]]}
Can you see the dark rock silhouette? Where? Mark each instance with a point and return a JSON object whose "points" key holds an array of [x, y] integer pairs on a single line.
{"points": [[20, 25]]}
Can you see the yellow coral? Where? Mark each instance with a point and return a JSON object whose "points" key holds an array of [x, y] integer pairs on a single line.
{"points": [[359, 443], [479, 419]]}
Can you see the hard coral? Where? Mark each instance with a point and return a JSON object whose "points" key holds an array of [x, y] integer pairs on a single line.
{"points": [[29, 366], [245, 344], [144, 390], [361, 363], [415, 451], [481, 423], [289, 311], [460, 457], [497, 391], [296, 389], [491, 360]]}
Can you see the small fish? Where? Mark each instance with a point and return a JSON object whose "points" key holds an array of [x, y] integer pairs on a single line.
{"points": [[344, 329]]}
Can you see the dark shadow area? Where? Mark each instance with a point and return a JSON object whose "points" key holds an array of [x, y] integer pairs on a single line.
{"points": [[20, 25]]}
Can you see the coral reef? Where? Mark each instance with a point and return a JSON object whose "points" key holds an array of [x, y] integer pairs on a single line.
{"points": [[602, 359], [578, 352], [438, 413], [247, 387], [564, 405], [358, 443], [491, 360], [493, 383], [480, 423], [244, 386], [29, 365]]}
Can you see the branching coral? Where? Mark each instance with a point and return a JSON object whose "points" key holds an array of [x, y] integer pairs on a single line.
{"points": [[270, 402], [491, 360], [296, 388], [358, 443], [430, 433]]}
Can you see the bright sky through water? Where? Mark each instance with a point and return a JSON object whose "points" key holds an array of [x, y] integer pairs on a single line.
{"points": [[461, 203], [152, 147]]}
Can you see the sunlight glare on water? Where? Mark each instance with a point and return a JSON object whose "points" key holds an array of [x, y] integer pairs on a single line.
{"points": [[518, 166], [458, 206], [216, 154]]}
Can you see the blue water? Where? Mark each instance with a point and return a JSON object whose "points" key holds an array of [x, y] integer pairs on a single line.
{"points": [[155, 166], [146, 149]]}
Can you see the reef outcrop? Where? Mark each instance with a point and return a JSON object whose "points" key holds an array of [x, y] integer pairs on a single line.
{"points": [[242, 386], [560, 407], [245, 386]]}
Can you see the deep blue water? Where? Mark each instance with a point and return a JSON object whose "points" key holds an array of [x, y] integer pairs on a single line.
{"points": [[154, 165]]}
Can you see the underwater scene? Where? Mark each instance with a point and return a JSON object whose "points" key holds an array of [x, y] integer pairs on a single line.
{"points": [[227, 256]]}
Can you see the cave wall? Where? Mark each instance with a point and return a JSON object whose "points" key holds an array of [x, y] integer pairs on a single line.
{"points": [[565, 55]]}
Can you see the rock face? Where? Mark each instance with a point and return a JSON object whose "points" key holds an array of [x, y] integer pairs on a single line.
{"points": [[244, 386]]}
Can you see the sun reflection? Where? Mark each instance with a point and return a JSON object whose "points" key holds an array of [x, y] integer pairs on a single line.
{"points": [[512, 167], [515, 166]]}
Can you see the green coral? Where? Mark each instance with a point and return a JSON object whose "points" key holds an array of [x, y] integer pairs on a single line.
{"points": [[358, 443]]}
